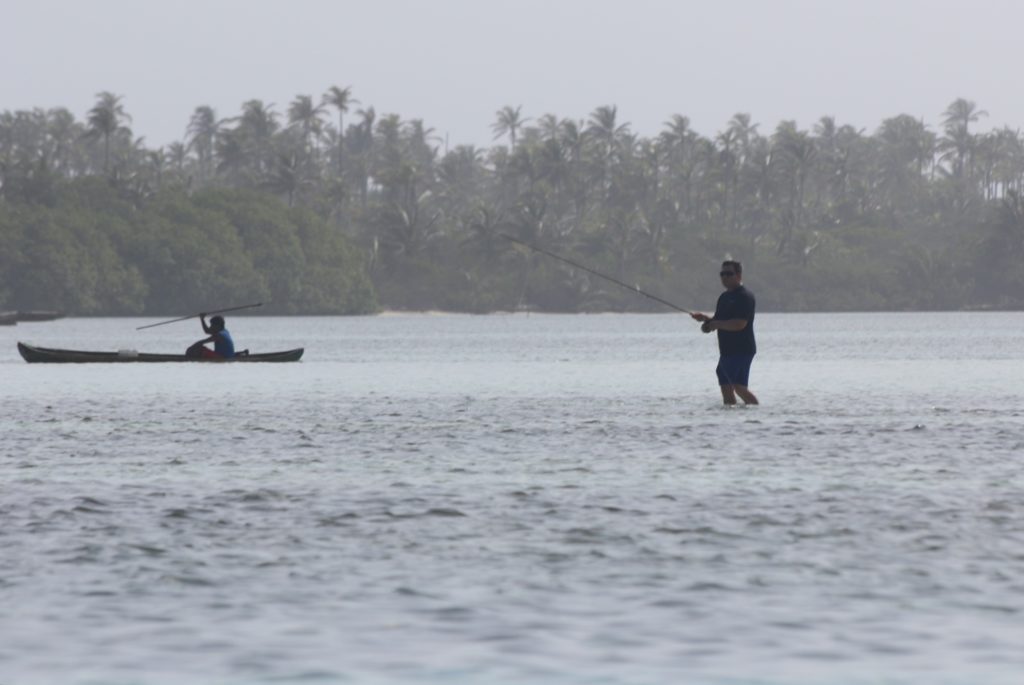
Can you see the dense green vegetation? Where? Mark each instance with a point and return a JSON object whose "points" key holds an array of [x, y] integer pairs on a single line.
{"points": [[326, 208], [90, 250]]}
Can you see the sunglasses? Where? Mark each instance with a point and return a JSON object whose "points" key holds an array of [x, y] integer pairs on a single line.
{"points": [[723, 274]]}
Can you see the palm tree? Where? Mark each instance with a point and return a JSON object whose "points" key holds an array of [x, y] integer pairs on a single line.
{"points": [[680, 143], [421, 149], [605, 129], [363, 148], [678, 130], [369, 116], [509, 121], [826, 133], [393, 169], [156, 165], [726, 169], [962, 113], [201, 136], [177, 154], [485, 225], [1008, 166], [607, 133], [61, 128], [232, 157], [287, 176], [958, 142], [305, 116], [742, 129], [105, 120], [460, 177], [256, 129], [905, 147], [341, 99], [573, 139], [549, 126], [796, 152], [408, 223]]}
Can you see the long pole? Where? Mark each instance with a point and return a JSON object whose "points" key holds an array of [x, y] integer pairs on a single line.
{"points": [[616, 281], [192, 316]]}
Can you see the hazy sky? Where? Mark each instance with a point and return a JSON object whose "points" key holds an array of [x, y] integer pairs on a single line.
{"points": [[453, 63]]}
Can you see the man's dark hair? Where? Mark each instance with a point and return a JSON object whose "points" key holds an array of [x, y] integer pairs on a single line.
{"points": [[217, 322], [734, 265]]}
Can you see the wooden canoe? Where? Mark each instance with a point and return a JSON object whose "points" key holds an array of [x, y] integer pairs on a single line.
{"points": [[35, 355]]}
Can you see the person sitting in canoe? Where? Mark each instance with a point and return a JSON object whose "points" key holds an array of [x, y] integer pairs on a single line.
{"points": [[223, 345]]}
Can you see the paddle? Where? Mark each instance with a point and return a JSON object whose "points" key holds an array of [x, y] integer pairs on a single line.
{"points": [[616, 281], [192, 316]]}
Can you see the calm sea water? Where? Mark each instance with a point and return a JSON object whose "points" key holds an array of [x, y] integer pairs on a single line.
{"points": [[517, 499]]}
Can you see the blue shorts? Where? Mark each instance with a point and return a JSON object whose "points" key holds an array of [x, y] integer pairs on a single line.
{"points": [[734, 369]]}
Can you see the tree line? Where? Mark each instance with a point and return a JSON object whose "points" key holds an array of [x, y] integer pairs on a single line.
{"points": [[328, 207], [85, 247]]}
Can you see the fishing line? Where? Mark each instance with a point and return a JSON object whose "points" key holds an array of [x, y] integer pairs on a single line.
{"points": [[634, 288]]}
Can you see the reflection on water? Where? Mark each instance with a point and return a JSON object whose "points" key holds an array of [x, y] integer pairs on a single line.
{"points": [[517, 499]]}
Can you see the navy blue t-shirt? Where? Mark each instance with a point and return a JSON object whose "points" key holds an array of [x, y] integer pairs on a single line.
{"points": [[736, 304]]}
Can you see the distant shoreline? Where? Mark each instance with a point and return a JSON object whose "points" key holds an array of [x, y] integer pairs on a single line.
{"points": [[386, 313]]}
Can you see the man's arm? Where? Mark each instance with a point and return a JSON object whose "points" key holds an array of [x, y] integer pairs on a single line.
{"points": [[740, 316], [731, 325], [206, 329]]}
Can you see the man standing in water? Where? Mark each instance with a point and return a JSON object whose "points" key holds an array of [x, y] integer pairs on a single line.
{"points": [[734, 321]]}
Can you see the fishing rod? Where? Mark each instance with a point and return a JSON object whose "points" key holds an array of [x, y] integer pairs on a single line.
{"points": [[192, 316], [635, 288]]}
